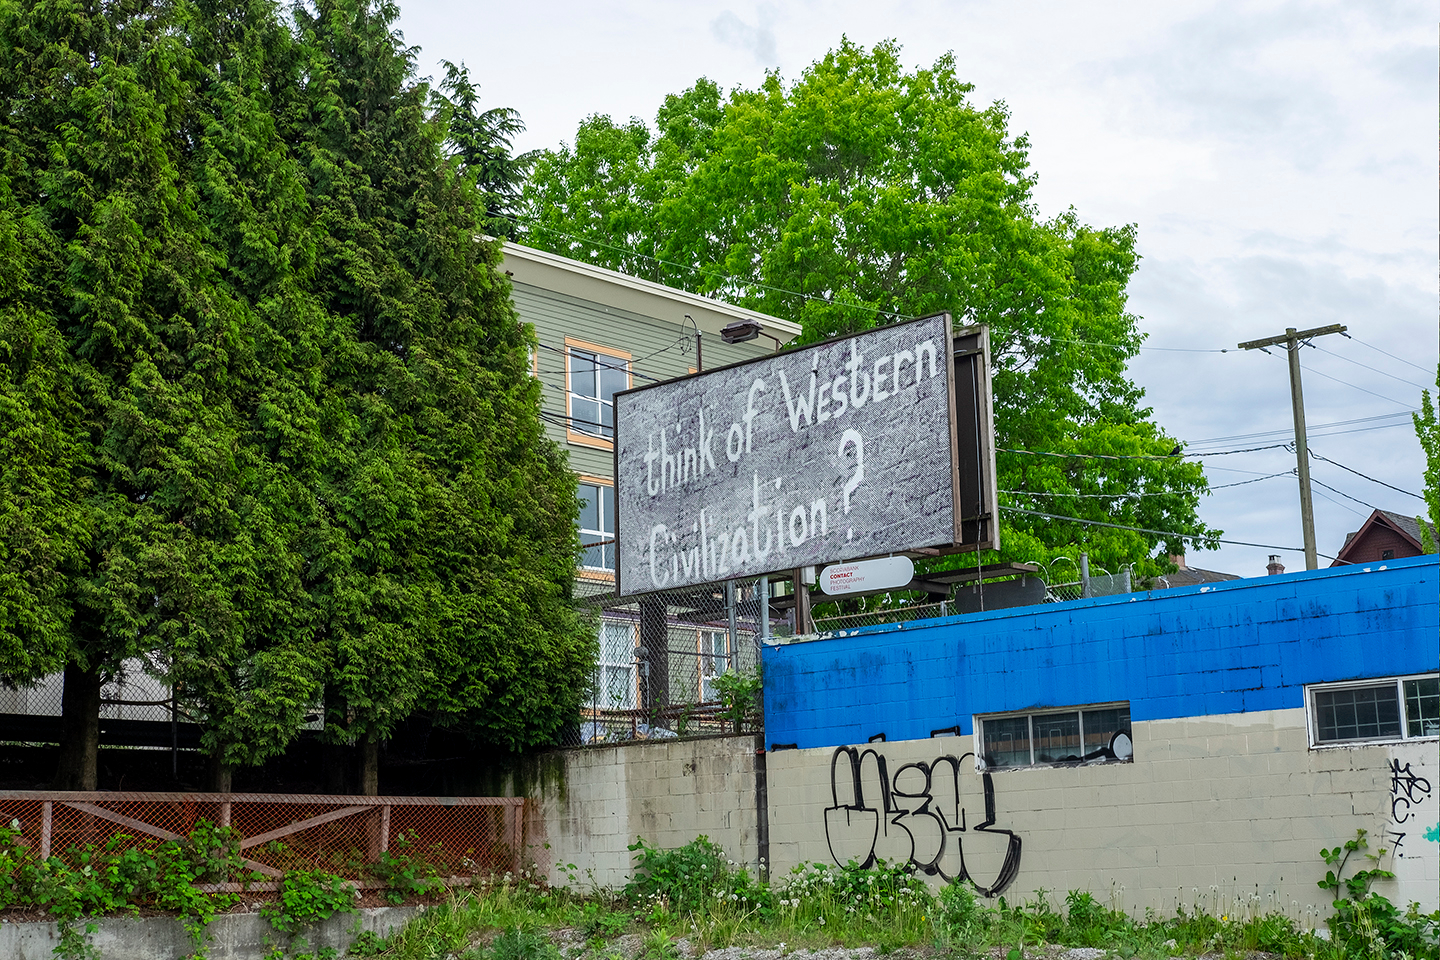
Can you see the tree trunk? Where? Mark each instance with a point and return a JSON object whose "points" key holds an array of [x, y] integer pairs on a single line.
{"points": [[80, 726], [219, 774], [334, 759], [370, 768]]}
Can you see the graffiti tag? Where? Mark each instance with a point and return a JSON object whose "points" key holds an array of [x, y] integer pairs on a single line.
{"points": [[1406, 790], [917, 817]]}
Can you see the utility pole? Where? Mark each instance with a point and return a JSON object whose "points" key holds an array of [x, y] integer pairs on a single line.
{"points": [[1292, 340]]}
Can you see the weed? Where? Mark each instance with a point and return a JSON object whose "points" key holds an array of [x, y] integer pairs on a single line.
{"points": [[307, 896], [1366, 923], [405, 875]]}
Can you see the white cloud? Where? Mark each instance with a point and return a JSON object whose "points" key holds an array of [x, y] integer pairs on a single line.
{"points": [[757, 41]]}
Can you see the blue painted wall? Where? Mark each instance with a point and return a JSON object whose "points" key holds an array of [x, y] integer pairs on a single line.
{"points": [[1225, 648]]}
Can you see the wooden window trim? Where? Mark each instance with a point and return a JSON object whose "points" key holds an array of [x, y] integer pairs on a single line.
{"points": [[575, 436]]}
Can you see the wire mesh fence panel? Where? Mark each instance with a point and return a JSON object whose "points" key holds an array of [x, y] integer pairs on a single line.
{"points": [[133, 693], [364, 839], [663, 664], [903, 613], [1060, 592]]}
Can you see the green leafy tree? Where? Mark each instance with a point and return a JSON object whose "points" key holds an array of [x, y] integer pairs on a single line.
{"points": [[264, 413], [862, 194], [1427, 431]]}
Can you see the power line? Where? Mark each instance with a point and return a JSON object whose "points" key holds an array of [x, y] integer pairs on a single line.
{"points": [[1120, 346], [1364, 477], [1347, 383], [1139, 456], [600, 363], [1346, 495], [1158, 533], [1342, 506], [1287, 431], [1418, 386], [1388, 354], [1131, 496]]}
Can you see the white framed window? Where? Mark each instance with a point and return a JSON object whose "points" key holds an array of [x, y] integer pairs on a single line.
{"points": [[597, 525], [593, 375], [1374, 711], [714, 660], [616, 679], [1041, 738]]}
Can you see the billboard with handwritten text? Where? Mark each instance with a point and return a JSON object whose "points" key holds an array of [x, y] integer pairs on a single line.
{"points": [[837, 451]]}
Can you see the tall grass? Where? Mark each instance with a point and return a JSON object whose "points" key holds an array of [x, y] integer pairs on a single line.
{"points": [[695, 893]]}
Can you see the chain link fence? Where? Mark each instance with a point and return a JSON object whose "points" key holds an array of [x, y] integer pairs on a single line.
{"points": [[677, 664], [363, 839]]}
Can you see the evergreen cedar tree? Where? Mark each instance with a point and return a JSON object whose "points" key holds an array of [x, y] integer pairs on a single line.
{"points": [[860, 194], [265, 417]]}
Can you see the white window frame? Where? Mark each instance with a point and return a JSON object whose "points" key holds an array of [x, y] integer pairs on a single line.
{"points": [[615, 358], [712, 664], [617, 657], [1396, 683], [607, 537], [978, 726]]}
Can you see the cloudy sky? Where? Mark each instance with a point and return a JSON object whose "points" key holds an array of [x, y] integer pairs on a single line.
{"points": [[1278, 158]]}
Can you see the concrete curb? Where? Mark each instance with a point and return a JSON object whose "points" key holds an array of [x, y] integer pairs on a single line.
{"points": [[234, 936]]}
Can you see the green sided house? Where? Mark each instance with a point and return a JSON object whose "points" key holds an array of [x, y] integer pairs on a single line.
{"points": [[601, 332]]}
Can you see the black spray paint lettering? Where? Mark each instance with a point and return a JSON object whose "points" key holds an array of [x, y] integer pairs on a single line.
{"points": [[1406, 790], [919, 817]]}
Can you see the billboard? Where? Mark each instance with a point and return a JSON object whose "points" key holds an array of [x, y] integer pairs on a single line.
{"points": [[841, 450]]}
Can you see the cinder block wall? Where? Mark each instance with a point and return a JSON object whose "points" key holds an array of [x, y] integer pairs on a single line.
{"points": [[1212, 811], [589, 804]]}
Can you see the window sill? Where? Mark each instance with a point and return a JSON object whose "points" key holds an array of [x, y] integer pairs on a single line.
{"points": [[1377, 742], [1056, 765]]}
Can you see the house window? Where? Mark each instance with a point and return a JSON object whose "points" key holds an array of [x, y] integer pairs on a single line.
{"points": [[1387, 554], [615, 674], [597, 526], [1400, 708], [593, 376], [714, 660], [1043, 738]]}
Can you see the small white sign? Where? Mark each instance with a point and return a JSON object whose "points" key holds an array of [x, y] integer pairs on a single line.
{"points": [[886, 573]]}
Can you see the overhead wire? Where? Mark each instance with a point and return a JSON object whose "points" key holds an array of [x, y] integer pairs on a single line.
{"points": [[1343, 506], [1138, 456], [1351, 336], [1320, 483], [1364, 476], [1157, 493], [1418, 386], [1286, 431], [1159, 533], [1321, 373]]}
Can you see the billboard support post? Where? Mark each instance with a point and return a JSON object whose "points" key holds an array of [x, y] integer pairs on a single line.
{"points": [[803, 621], [654, 640]]}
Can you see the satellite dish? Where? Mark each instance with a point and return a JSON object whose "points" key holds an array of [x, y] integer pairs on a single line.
{"points": [[1122, 746]]}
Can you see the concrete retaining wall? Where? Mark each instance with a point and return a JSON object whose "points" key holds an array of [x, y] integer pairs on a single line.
{"points": [[589, 804], [237, 936]]}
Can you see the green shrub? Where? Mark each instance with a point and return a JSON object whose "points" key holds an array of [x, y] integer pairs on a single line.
{"points": [[307, 896], [695, 878], [405, 874]]}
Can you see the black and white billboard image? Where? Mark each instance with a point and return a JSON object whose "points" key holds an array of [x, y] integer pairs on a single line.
{"points": [[838, 451]]}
